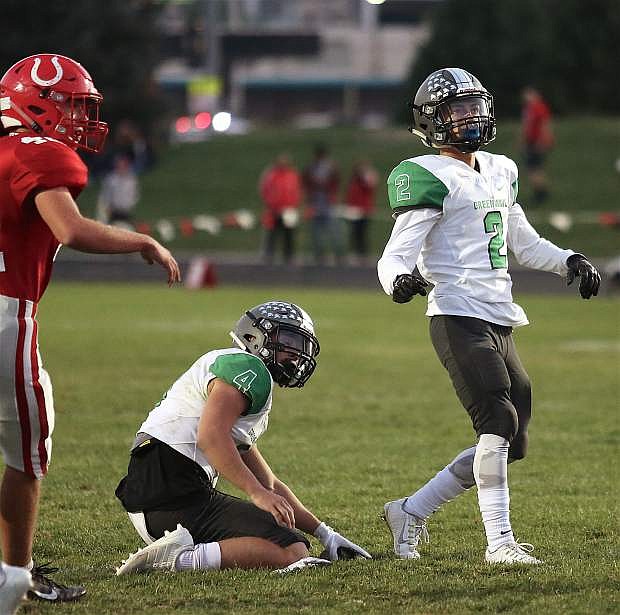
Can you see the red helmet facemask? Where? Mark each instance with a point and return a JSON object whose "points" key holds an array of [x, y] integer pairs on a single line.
{"points": [[56, 97]]}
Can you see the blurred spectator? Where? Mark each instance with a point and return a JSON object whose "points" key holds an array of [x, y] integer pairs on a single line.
{"points": [[360, 200], [126, 140], [119, 194], [129, 140], [321, 180], [537, 139], [280, 190]]}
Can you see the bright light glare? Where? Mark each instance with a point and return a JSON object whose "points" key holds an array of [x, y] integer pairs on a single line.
{"points": [[375, 1], [221, 121], [202, 120], [183, 124]]}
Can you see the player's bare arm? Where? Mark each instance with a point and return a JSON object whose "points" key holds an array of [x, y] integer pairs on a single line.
{"points": [[60, 212], [223, 407], [336, 545], [304, 519]]}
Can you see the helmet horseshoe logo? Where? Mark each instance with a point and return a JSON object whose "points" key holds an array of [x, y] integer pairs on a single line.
{"points": [[46, 82]]}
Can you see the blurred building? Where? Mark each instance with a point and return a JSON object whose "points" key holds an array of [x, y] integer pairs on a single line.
{"points": [[311, 62]]}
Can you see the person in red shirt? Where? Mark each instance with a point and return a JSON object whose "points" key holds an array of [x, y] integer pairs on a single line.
{"points": [[280, 190], [537, 137], [360, 200], [49, 108]]}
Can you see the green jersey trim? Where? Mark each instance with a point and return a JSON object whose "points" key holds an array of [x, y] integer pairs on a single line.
{"points": [[411, 186], [246, 373]]}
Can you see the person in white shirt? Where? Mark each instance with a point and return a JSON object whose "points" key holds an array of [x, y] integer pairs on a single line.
{"points": [[208, 424], [456, 217]]}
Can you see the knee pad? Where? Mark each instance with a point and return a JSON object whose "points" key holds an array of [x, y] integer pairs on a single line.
{"points": [[490, 469], [462, 468]]}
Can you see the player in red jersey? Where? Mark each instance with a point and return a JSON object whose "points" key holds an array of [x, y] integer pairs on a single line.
{"points": [[49, 108]]}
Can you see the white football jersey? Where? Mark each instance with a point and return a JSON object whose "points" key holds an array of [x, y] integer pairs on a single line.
{"points": [[457, 224], [174, 420]]}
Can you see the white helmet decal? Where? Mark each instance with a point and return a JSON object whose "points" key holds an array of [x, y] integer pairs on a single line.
{"points": [[46, 82]]}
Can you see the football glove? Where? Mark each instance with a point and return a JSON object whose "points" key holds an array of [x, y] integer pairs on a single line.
{"points": [[406, 285], [337, 546], [589, 278]]}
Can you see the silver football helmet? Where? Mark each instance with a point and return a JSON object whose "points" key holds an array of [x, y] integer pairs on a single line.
{"points": [[452, 108], [281, 334]]}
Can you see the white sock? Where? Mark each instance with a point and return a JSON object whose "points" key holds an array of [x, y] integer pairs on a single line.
{"points": [[27, 567], [204, 556], [4, 567], [456, 478], [491, 474]]}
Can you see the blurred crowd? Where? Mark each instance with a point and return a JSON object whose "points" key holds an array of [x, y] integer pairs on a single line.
{"points": [[317, 197], [315, 205]]}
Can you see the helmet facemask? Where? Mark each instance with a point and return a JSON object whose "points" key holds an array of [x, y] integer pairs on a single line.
{"points": [[292, 351], [466, 121], [78, 120]]}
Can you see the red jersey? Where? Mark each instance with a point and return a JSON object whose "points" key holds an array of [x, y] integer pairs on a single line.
{"points": [[536, 116], [361, 194], [30, 164], [280, 188]]}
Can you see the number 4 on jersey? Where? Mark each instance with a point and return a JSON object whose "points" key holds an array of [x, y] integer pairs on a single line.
{"points": [[493, 224], [244, 381]]}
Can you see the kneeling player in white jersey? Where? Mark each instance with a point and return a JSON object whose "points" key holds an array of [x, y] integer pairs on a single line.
{"points": [[456, 216], [208, 424]]}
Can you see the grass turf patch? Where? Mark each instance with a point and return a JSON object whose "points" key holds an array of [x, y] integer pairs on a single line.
{"points": [[375, 422]]}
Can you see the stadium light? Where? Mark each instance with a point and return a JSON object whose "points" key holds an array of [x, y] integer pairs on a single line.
{"points": [[375, 1], [222, 121], [202, 121], [183, 124]]}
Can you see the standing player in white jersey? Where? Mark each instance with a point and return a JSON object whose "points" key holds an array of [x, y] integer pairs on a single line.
{"points": [[208, 424], [456, 217], [49, 108]]}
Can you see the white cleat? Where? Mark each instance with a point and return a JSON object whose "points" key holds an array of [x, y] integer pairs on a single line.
{"points": [[407, 530], [14, 583], [512, 553], [159, 555], [300, 564]]}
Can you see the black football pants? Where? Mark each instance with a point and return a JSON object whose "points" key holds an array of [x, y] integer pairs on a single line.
{"points": [[488, 377]]}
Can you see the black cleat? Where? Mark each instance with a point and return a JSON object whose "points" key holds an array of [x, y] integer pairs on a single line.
{"points": [[46, 590]]}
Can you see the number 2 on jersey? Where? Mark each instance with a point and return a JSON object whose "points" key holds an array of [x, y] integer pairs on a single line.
{"points": [[493, 224], [402, 187]]}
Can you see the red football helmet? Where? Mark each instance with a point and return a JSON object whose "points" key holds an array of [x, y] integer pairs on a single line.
{"points": [[54, 96]]}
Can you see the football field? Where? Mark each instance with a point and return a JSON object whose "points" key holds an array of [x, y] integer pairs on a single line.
{"points": [[378, 418]]}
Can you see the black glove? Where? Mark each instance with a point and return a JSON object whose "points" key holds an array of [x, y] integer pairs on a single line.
{"points": [[406, 285], [590, 279]]}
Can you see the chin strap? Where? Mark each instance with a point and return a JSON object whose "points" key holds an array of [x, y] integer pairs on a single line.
{"points": [[9, 122]]}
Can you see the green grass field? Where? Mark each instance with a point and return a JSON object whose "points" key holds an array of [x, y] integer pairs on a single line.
{"points": [[221, 175], [378, 418]]}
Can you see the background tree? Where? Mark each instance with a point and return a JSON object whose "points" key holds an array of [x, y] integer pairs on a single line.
{"points": [[566, 48], [116, 40]]}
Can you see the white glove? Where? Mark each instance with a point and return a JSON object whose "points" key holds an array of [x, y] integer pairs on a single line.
{"points": [[337, 546]]}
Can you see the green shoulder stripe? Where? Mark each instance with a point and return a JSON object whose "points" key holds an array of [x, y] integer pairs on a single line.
{"points": [[411, 186], [246, 373]]}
